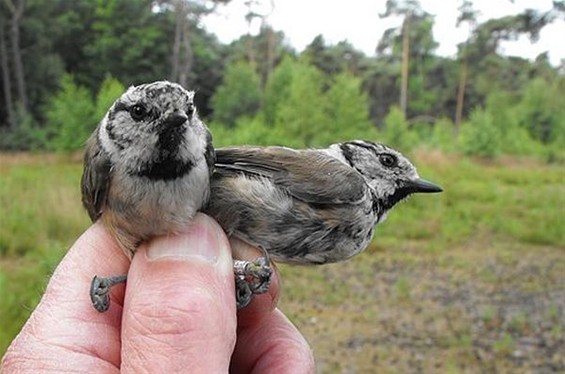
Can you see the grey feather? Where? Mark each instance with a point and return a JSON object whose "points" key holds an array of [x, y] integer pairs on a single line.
{"points": [[286, 168], [309, 206], [96, 177]]}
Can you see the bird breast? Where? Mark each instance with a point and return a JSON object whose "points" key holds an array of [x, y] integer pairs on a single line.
{"points": [[139, 208]]}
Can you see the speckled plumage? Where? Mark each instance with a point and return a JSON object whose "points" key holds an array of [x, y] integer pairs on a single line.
{"points": [[147, 165], [310, 206]]}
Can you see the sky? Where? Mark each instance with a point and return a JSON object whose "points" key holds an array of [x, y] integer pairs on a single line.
{"points": [[357, 21]]}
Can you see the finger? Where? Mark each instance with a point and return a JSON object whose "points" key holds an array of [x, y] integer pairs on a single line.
{"points": [[272, 346], [179, 311], [64, 324], [261, 304], [267, 341]]}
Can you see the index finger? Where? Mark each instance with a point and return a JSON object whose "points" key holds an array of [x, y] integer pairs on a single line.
{"points": [[266, 340], [64, 326]]}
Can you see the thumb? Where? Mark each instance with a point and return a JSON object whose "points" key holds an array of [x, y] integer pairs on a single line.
{"points": [[179, 307]]}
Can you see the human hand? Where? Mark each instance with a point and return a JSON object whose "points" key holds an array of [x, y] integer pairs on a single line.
{"points": [[177, 313]]}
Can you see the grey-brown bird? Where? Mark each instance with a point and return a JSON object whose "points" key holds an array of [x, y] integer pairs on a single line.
{"points": [[310, 206], [147, 170]]}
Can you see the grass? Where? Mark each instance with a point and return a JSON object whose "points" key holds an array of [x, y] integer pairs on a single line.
{"points": [[469, 280]]}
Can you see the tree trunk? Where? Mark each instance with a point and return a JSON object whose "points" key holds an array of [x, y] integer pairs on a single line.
{"points": [[176, 46], [461, 96], [187, 56], [6, 82], [17, 14], [270, 53], [182, 50], [405, 64], [249, 49]]}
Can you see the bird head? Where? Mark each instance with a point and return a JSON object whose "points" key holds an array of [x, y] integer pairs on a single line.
{"points": [[153, 130], [387, 171]]}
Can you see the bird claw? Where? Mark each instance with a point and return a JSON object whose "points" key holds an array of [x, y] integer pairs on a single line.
{"points": [[252, 278], [100, 291], [243, 293]]}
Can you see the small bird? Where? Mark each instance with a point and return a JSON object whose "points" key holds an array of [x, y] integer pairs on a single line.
{"points": [[310, 206], [150, 166], [147, 169]]}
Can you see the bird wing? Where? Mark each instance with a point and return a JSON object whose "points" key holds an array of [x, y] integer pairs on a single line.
{"points": [[95, 178], [308, 175], [210, 152]]}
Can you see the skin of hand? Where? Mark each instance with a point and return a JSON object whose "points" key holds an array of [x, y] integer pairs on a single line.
{"points": [[177, 312]]}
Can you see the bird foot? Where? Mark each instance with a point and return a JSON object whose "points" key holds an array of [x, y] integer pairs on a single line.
{"points": [[100, 290], [251, 278]]}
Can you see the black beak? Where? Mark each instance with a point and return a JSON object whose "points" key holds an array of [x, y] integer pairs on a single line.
{"points": [[423, 186], [176, 119], [410, 187]]}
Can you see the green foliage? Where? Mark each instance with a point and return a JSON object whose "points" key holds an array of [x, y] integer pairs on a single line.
{"points": [[314, 98], [514, 138], [304, 114], [208, 68], [127, 40], [300, 117], [277, 89], [480, 136], [70, 117], [26, 136], [333, 60], [109, 91], [541, 110], [442, 136], [72, 114], [238, 95], [395, 131], [341, 113], [347, 108], [250, 131], [265, 49]]}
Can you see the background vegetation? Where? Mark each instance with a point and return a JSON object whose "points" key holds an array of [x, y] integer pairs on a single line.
{"points": [[64, 62], [467, 281]]}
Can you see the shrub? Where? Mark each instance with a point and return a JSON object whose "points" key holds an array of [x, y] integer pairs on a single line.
{"points": [[442, 136], [396, 132], [300, 115], [109, 91], [480, 137], [27, 135], [70, 117], [347, 109], [239, 94]]}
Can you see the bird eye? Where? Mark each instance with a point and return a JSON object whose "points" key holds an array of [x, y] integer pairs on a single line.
{"points": [[388, 160], [138, 112]]}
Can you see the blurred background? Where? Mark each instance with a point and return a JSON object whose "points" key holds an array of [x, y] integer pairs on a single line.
{"points": [[472, 280]]}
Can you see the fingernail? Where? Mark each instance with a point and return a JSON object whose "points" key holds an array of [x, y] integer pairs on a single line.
{"points": [[203, 239]]}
